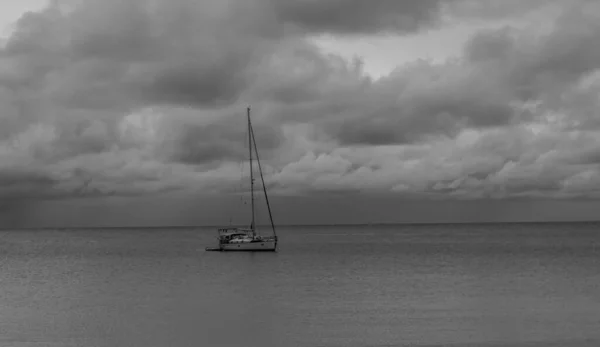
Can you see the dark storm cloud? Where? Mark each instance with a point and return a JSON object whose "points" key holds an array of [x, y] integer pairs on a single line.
{"points": [[140, 94], [358, 16], [490, 45], [93, 53], [80, 67], [20, 184], [121, 52], [494, 163], [501, 70], [98, 54], [189, 85], [116, 56], [417, 100], [537, 65], [18, 179], [226, 139], [71, 73], [492, 9], [415, 114]]}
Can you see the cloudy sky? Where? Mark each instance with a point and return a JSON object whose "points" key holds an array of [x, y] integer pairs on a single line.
{"points": [[131, 112]]}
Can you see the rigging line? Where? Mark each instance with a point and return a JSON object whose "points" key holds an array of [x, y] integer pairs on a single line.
{"points": [[238, 188], [250, 138], [262, 179], [238, 193]]}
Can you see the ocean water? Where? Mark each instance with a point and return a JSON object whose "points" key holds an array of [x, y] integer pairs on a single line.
{"points": [[488, 285]]}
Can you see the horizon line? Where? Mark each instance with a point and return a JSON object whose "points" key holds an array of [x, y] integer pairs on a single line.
{"points": [[301, 225]]}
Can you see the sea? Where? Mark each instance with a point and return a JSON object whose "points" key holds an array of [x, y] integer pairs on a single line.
{"points": [[489, 285]]}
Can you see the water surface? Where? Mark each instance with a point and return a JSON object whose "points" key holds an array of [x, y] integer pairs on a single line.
{"points": [[402, 285]]}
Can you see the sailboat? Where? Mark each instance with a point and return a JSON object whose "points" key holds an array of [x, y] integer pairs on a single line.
{"points": [[248, 239]]}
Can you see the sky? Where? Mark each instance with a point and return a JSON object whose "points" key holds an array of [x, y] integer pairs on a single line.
{"points": [[132, 112]]}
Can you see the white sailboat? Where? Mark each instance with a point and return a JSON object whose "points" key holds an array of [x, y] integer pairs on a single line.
{"points": [[248, 239]]}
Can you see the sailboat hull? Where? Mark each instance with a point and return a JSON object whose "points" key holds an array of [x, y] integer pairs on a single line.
{"points": [[265, 246], [234, 239]]}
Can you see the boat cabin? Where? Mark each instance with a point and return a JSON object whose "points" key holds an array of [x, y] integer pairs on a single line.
{"points": [[229, 234]]}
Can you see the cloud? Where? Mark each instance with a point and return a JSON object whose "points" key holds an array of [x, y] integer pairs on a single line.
{"points": [[496, 163], [141, 97], [74, 74], [359, 17], [490, 9], [126, 53], [502, 69]]}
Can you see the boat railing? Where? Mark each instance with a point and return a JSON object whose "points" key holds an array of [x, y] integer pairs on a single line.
{"points": [[224, 230]]}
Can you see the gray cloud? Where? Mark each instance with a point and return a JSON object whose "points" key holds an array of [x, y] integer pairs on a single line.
{"points": [[496, 163], [357, 16], [79, 72], [107, 53], [17, 182], [415, 101], [491, 9], [568, 53], [143, 97], [501, 71], [125, 53], [226, 139]]}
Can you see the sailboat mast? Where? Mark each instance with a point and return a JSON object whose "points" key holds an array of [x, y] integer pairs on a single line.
{"points": [[263, 182], [251, 171]]}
